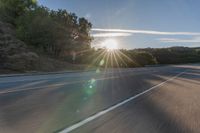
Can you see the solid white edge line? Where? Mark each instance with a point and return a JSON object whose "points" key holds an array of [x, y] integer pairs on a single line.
{"points": [[83, 122], [6, 91]]}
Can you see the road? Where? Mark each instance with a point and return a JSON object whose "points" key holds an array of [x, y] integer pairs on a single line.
{"points": [[140, 100]]}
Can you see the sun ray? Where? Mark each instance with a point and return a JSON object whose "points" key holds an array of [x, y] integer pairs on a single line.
{"points": [[129, 59], [119, 56], [117, 63], [114, 56], [99, 55]]}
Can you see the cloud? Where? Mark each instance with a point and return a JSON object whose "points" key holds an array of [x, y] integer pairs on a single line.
{"points": [[99, 35], [178, 40], [149, 32]]}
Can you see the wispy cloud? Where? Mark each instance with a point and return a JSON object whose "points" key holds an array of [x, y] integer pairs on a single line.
{"points": [[150, 32], [178, 40], [99, 35]]}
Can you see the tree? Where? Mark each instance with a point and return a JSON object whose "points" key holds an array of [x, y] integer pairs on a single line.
{"points": [[58, 33], [12, 9]]}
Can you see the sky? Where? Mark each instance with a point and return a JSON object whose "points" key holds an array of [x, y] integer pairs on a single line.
{"points": [[138, 23]]}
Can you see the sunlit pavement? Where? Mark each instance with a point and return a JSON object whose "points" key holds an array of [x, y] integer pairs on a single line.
{"points": [[52, 103]]}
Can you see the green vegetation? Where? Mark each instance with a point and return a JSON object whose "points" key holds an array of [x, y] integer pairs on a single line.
{"points": [[56, 33], [33, 37], [174, 55], [48, 36], [151, 56], [10, 10]]}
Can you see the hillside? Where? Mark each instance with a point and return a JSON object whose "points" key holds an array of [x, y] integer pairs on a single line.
{"points": [[16, 56], [27, 43]]}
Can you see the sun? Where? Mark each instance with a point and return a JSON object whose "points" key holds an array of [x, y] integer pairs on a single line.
{"points": [[110, 44]]}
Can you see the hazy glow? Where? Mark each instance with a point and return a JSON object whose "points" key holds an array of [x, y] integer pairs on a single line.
{"points": [[146, 32], [110, 44], [178, 40], [118, 34]]}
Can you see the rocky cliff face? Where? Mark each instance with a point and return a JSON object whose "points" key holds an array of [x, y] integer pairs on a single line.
{"points": [[14, 54]]}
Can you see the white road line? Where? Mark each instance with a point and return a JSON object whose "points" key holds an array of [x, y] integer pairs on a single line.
{"points": [[46, 77], [192, 74], [28, 85], [60, 84], [23, 87], [85, 121]]}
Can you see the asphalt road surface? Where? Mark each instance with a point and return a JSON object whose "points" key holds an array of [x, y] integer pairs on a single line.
{"points": [[140, 100]]}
